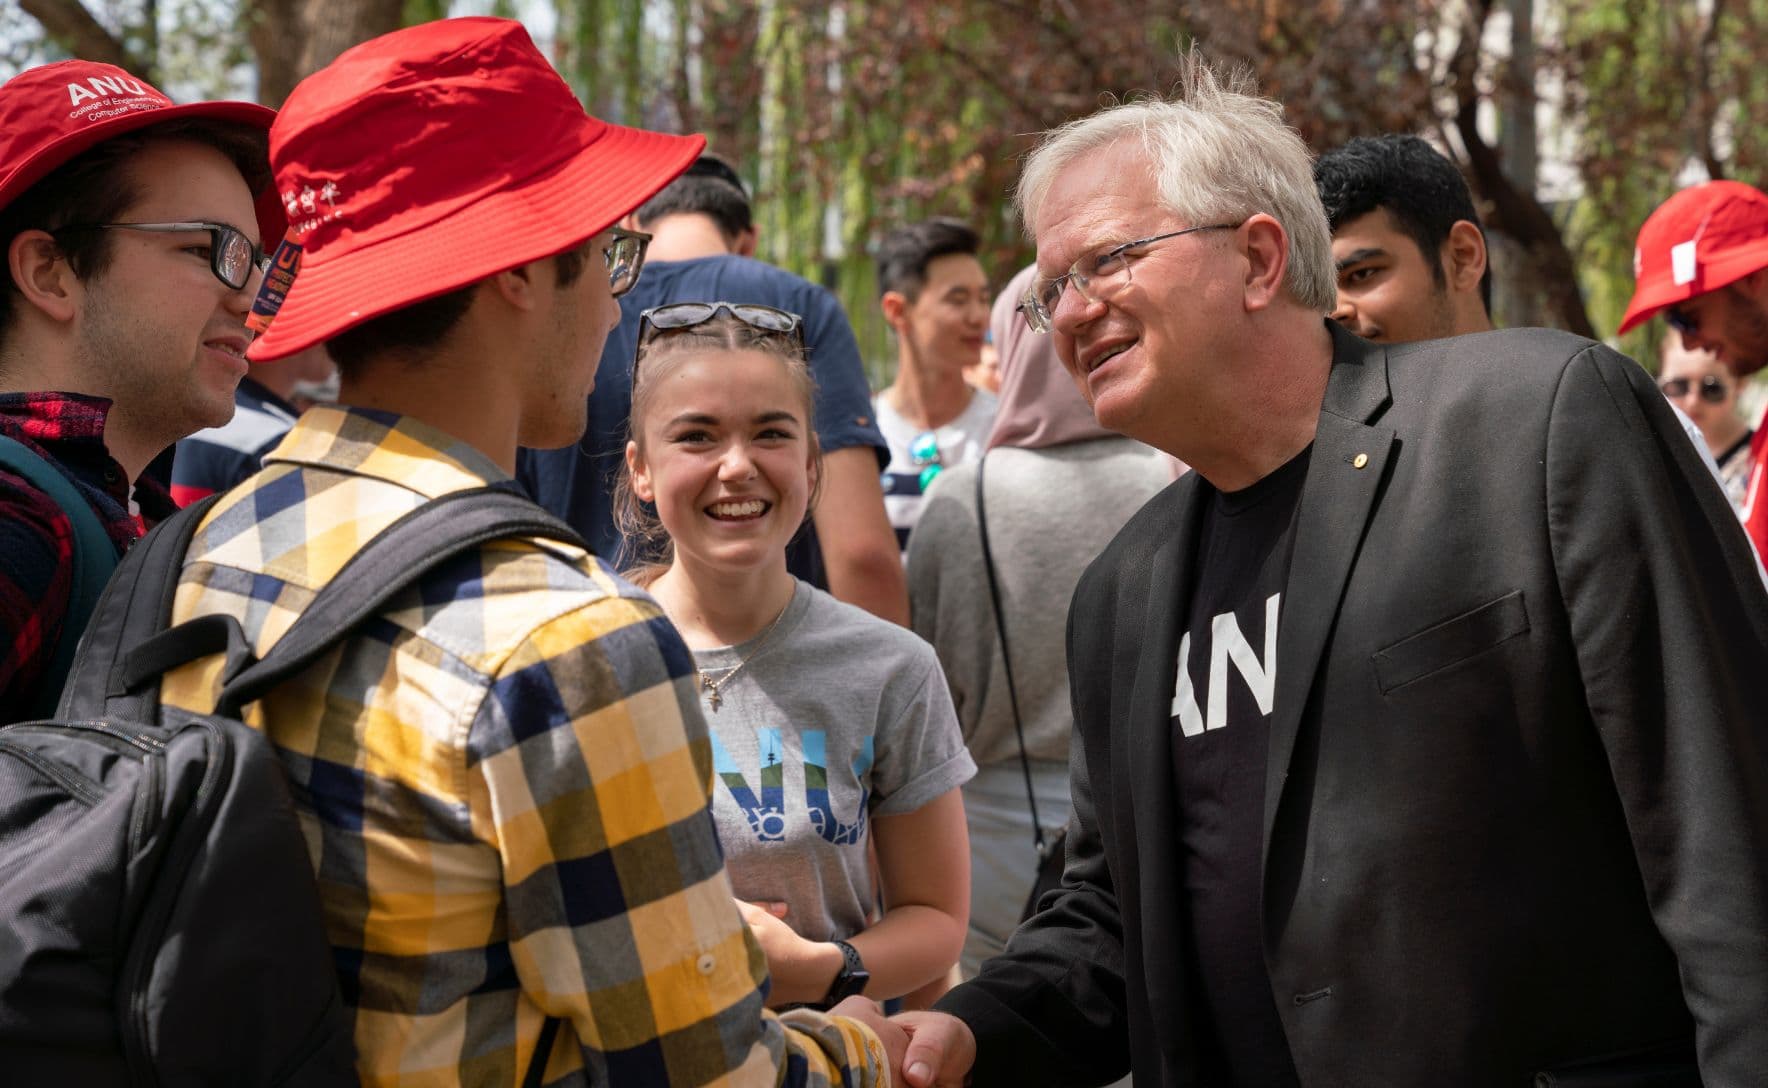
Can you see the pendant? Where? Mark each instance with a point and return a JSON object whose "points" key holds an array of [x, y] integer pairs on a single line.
{"points": [[716, 700]]}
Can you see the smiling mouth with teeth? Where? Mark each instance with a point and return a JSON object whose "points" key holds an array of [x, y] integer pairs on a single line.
{"points": [[737, 511]]}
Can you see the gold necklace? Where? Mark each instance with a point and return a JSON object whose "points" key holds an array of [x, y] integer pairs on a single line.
{"points": [[708, 684]]}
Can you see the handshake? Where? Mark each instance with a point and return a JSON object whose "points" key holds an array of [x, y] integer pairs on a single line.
{"points": [[926, 1049]]}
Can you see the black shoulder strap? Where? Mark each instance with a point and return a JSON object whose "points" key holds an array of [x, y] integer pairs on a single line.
{"points": [[994, 596], [388, 565], [94, 558], [141, 648], [133, 607]]}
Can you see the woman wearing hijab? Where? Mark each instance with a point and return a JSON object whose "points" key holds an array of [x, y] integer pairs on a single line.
{"points": [[1057, 488]]}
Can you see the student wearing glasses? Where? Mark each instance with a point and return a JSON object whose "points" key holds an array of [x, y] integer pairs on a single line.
{"points": [[1706, 391], [132, 247], [935, 298], [831, 728]]}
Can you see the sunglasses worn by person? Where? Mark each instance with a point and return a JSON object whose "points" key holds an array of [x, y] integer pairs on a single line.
{"points": [[1095, 277], [1680, 320], [232, 256], [1713, 389]]}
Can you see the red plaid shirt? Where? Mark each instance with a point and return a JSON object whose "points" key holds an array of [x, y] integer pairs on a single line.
{"points": [[36, 538]]}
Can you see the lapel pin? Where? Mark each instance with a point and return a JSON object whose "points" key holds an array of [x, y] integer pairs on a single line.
{"points": [[1359, 460]]}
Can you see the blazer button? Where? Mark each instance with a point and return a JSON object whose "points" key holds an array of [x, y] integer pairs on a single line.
{"points": [[1360, 460]]}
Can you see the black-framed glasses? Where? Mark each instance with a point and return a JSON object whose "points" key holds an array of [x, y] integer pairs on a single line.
{"points": [[685, 315], [625, 253], [232, 256], [1096, 277], [1713, 389]]}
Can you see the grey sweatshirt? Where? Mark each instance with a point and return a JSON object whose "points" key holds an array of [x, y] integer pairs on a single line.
{"points": [[1050, 512]]}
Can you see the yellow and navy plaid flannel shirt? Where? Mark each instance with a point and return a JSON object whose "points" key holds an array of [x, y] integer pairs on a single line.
{"points": [[503, 780]]}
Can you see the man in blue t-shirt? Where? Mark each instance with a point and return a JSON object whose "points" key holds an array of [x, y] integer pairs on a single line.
{"points": [[702, 241]]}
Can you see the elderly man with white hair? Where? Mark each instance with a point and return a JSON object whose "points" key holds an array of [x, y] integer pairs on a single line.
{"points": [[1422, 730]]}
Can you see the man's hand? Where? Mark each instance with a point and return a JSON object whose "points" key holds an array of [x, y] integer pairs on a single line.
{"points": [[894, 1037], [941, 1050]]}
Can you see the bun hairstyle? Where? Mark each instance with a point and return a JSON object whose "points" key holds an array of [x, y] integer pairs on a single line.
{"points": [[645, 547]]}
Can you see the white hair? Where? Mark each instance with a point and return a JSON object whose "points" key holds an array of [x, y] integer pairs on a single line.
{"points": [[1218, 152]]}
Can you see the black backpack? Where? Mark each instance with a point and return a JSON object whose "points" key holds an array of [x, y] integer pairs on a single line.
{"points": [[159, 920]]}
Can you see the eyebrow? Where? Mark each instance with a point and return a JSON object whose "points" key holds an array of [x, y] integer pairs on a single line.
{"points": [[1357, 256], [709, 421]]}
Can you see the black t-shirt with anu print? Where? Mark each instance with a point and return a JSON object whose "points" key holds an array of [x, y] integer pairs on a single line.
{"points": [[1226, 689]]}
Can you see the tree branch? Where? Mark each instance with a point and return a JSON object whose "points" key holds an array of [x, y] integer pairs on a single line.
{"points": [[70, 25], [1706, 96], [1515, 212]]}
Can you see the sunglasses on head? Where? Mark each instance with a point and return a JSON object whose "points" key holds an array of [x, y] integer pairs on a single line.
{"points": [[686, 315], [1713, 390]]}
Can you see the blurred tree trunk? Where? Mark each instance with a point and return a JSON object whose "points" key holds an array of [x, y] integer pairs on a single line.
{"points": [[294, 38], [1518, 295]]}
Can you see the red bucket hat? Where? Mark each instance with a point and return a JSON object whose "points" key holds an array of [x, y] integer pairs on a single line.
{"points": [[1699, 240], [51, 113], [435, 156]]}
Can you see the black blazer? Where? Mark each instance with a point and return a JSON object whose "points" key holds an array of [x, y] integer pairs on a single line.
{"points": [[1516, 802]]}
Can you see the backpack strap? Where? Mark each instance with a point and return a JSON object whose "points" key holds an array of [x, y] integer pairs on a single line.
{"points": [[94, 557], [386, 566], [138, 648], [133, 607]]}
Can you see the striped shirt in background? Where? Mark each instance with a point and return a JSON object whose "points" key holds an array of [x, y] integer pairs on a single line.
{"points": [[504, 783], [218, 458]]}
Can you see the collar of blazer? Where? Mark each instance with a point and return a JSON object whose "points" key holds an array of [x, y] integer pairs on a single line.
{"points": [[1345, 470]]}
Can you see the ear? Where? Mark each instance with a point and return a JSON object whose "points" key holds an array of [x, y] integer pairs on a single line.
{"points": [[1266, 245], [520, 286], [43, 276], [641, 478], [895, 305], [744, 245], [1464, 256]]}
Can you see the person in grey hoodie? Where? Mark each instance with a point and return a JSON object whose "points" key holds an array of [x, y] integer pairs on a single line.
{"points": [[1059, 486]]}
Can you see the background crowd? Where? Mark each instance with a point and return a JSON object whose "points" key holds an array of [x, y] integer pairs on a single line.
{"points": [[845, 607]]}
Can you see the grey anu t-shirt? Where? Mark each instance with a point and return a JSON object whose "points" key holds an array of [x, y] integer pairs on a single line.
{"points": [[837, 717]]}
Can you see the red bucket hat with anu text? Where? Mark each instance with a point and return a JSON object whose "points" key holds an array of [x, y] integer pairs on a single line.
{"points": [[436, 156], [1699, 240], [53, 112]]}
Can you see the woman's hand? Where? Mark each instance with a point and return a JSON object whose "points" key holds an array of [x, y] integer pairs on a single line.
{"points": [[802, 970]]}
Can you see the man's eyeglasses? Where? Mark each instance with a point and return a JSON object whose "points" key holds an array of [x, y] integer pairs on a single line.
{"points": [[625, 253], [924, 455], [232, 256], [1096, 277], [1713, 389]]}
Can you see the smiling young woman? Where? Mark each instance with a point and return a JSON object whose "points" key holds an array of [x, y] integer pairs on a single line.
{"points": [[826, 722]]}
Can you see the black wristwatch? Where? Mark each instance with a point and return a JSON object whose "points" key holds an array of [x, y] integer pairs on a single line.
{"points": [[852, 977]]}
